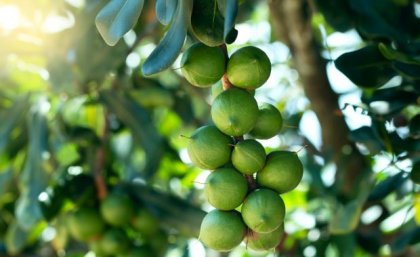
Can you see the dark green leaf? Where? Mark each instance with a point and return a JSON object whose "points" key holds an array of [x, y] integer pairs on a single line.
{"points": [[11, 118], [207, 22], [346, 217], [165, 10], [408, 238], [337, 13], [366, 67], [33, 178], [411, 71], [368, 137], [231, 10], [173, 211], [139, 121], [117, 18], [5, 179], [16, 238], [387, 186], [169, 48]]}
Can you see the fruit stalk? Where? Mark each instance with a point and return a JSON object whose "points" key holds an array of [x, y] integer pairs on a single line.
{"points": [[98, 171]]}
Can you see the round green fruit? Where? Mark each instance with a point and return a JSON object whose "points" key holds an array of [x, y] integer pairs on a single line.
{"points": [[234, 112], [115, 241], [248, 68], [145, 223], [85, 224], [248, 156], [282, 171], [263, 211], [208, 148], [415, 172], [222, 230], [117, 209], [265, 241], [269, 122], [226, 188], [202, 65]]}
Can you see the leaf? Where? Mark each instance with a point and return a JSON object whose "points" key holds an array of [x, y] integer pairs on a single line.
{"points": [[169, 48], [117, 18], [33, 178], [368, 137], [410, 237], [207, 22], [16, 238], [407, 70], [165, 10], [174, 211], [387, 186], [231, 10], [141, 125], [11, 118], [5, 179], [366, 67], [346, 217]]}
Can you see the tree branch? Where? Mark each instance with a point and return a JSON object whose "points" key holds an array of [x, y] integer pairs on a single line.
{"points": [[293, 26]]}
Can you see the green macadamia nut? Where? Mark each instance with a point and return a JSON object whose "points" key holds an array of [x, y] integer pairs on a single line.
{"points": [[265, 241], [269, 122], [234, 112], [226, 188], [263, 210], [248, 68], [248, 156], [85, 224], [117, 209], [208, 148], [202, 65], [115, 241], [222, 230], [282, 171]]}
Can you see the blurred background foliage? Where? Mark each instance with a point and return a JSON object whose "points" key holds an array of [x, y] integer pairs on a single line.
{"points": [[77, 114]]}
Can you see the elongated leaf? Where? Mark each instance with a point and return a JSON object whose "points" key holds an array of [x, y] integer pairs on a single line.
{"points": [[366, 67], [346, 217], [16, 238], [33, 178], [165, 10], [117, 18], [140, 124], [387, 186], [207, 22], [11, 118], [231, 10], [169, 48], [174, 211]]}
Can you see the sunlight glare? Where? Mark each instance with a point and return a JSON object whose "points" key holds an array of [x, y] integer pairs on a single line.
{"points": [[10, 17]]}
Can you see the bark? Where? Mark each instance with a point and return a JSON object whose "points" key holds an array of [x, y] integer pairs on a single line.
{"points": [[292, 25]]}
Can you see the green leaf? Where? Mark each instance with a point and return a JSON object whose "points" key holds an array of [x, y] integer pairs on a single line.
{"points": [[5, 179], [366, 67], [16, 238], [387, 186], [165, 10], [11, 118], [179, 214], [346, 217], [407, 70], [33, 178], [368, 137], [231, 10], [117, 18], [169, 48], [207, 22], [140, 123]]}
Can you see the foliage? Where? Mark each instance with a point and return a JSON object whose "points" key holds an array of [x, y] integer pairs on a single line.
{"points": [[81, 119]]}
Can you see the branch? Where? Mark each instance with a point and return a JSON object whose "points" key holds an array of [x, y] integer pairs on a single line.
{"points": [[293, 27]]}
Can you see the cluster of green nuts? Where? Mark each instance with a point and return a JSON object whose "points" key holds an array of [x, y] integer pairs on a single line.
{"points": [[245, 183], [106, 228]]}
